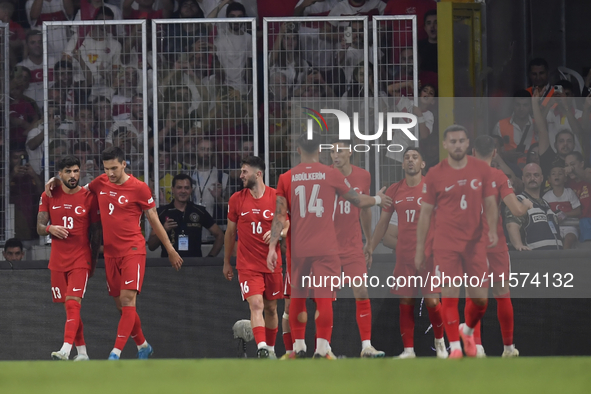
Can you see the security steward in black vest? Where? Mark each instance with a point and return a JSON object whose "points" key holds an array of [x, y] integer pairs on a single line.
{"points": [[184, 220]]}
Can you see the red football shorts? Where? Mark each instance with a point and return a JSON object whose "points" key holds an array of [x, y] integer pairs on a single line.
{"points": [[270, 285], [408, 280], [471, 261], [125, 273], [499, 264], [311, 276], [353, 264], [71, 283]]}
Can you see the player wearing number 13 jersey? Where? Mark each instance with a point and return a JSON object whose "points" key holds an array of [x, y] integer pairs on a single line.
{"points": [[72, 211], [308, 191], [250, 213]]}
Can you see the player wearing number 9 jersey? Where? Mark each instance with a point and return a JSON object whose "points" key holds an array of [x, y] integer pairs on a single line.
{"points": [[250, 213], [308, 191], [72, 211], [459, 187]]}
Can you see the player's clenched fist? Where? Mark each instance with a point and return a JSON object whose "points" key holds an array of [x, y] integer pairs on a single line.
{"points": [[272, 260], [175, 260], [419, 260], [228, 271]]}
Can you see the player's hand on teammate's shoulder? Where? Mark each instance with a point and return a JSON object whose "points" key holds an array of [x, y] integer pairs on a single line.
{"points": [[175, 259], [228, 271], [52, 183], [386, 200], [59, 232]]}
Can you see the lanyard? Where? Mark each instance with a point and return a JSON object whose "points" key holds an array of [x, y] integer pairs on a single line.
{"points": [[201, 190]]}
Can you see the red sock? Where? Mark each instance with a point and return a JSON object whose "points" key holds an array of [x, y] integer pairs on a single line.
{"points": [[125, 326], [473, 313], [136, 332], [407, 325], [436, 320], [271, 335], [259, 334], [79, 340], [477, 334], [364, 319], [324, 319], [451, 318], [72, 320], [505, 316], [298, 329], [287, 341]]}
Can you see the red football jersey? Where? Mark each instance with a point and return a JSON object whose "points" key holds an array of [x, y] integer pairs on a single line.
{"points": [[76, 212], [121, 209], [253, 219], [406, 201], [312, 189], [458, 196], [346, 218], [503, 188], [582, 190]]}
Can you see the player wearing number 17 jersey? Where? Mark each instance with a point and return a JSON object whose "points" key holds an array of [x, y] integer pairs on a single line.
{"points": [[308, 191], [72, 211], [250, 213]]}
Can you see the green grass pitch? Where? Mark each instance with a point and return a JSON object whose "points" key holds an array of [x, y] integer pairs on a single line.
{"points": [[426, 375]]}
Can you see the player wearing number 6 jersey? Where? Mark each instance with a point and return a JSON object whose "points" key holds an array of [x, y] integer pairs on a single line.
{"points": [[407, 196], [122, 199], [73, 212], [355, 259], [250, 213], [459, 187], [308, 191]]}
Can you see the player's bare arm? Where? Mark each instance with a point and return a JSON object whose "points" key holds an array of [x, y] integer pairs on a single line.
{"points": [[43, 229], [229, 242], [380, 231], [277, 226], [491, 210], [514, 231], [267, 235], [363, 201], [175, 260], [422, 228], [517, 208], [217, 232], [96, 235], [365, 218]]}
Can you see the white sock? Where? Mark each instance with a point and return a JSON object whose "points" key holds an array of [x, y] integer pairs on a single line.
{"points": [[322, 346], [116, 351], [81, 350], [455, 345], [261, 345], [299, 345], [271, 349], [509, 348], [289, 351], [468, 330], [409, 350], [66, 348], [143, 345], [365, 344], [438, 340]]}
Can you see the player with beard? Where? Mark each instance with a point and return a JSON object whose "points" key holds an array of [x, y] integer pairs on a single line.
{"points": [[406, 195], [250, 213], [459, 187], [122, 200], [76, 232]]}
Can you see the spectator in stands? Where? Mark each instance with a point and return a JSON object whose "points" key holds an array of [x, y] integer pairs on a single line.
{"points": [[564, 115], [565, 204], [13, 250], [246, 150], [89, 168], [423, 112], [85, 128], [66, 92], [166, 174], [351, 51], [358, 7], [103, 116], [180, 36], [403, 85], [411, 7], [580, 181], [539, 228], [176, 124], [184, 220], [16, 31], [286, 56], [539, 76], [127, 140], [533, 155], [321, 83], [509, 168], [89, 9], [24, 113], [126, 87], [39, 11], [36, 136], [516, 131], [427, 49], [25, 190], [34, 62]]}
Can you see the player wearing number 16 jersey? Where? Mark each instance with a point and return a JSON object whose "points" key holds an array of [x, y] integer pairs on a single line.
{"points": [[250, 213], [72, 211], [308, 191]]}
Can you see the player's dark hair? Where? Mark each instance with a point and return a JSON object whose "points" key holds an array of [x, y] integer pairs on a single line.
{"points": [[428, 14], [254, 161], [113, 153], [235, 7], [308, 145], [484, 145], [455, 127], [413, 148], [13, 243], [538, 62], [68, 161], [522, 93], [181, 177], [577, 155], [564, 131]]}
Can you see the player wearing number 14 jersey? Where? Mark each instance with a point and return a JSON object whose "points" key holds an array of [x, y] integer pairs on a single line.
{"points": [[72, 211], [250, 213]]}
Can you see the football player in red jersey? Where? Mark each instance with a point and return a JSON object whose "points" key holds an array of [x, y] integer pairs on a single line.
{"points": [[459, 187], [499, 261], [250, 213], [351, 249], [72, 211], [122, 200], [406, 195], [308, 191]]}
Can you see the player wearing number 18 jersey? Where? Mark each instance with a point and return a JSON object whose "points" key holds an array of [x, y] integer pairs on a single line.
{"points": [[250, 213], [72, 211]]}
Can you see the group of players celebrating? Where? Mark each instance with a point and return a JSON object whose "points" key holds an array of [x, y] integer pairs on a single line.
{"points": [[448, 224]]}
